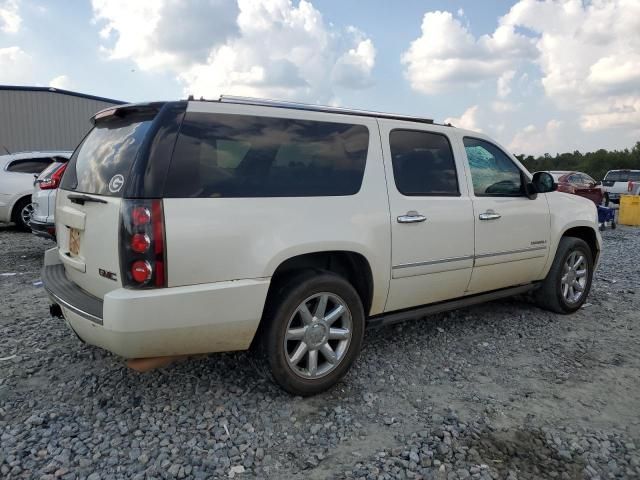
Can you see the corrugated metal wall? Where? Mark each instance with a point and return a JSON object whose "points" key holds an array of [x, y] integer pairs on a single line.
{"points": [[33, 120]]}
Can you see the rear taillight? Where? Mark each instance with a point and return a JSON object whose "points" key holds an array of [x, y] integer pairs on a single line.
{"points": [[142, 244], [52, 180]]}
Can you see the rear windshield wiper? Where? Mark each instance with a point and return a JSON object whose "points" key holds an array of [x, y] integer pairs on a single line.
{"points": [[81, 199]]}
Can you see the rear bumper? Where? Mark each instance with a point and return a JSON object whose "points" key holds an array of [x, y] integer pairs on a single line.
{"points": [[43, 229], [215, 317]]}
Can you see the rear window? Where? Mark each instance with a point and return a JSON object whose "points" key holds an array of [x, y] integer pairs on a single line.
{"points": [[221, 155], [622, 176], [31, 165], [101, 164]]}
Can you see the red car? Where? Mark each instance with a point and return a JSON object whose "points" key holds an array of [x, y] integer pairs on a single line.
{"points": [[580, 184]]}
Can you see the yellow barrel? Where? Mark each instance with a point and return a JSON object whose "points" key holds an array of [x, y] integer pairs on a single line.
{"points": [[629, 210]]}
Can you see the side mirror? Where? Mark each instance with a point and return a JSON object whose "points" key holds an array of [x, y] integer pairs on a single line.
{"points": [[543, 182]]}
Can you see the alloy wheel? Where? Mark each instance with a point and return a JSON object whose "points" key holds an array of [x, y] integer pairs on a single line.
{"points": [[26, 213], [318, 335], [574, 277]]}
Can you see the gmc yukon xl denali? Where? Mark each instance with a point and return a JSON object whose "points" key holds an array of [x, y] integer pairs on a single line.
{"points": [[206, 226]]}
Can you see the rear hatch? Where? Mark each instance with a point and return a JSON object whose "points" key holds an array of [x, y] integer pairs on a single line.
{"points": [[89, 200]]}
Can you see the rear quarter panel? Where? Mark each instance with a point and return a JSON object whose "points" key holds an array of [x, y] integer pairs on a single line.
{"points": [[219, 239]]}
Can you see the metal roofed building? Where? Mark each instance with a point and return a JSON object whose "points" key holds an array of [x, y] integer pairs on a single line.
{"points": [[43, 118]]}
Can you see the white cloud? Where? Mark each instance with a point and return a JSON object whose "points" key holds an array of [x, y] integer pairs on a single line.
{"points": [[536, 141], [588, 54], [504, 83], [16, 66], [447, 55], [62, 81], [504, 107], [467, 120], [271, 48], [10, 19]]}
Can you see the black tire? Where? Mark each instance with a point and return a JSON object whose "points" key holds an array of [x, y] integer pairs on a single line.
{"points": [[282, 305], [550, 294], [605, 200], [16, 215]]}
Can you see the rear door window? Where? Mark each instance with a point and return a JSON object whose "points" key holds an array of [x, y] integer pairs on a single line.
{"points": [[222, 155], [101, 164], [29, 165], [423, 163]]}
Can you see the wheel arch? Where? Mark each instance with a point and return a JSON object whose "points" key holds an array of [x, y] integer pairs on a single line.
{"points": [[351, 265], [18, 198], [589, 235]]}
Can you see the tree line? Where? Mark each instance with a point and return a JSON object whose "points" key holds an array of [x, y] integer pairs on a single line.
{"points": [[596, 164]]}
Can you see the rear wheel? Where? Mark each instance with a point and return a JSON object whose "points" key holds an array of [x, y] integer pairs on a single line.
{"points": [[314, 330], [22, 213], [568, 283]]}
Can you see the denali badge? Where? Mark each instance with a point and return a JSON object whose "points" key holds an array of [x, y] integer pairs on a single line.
{"points": [[115, 184], [538, 242], [110, 275]]}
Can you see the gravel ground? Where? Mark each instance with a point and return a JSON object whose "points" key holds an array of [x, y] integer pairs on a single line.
{"points": [[502, 390]]}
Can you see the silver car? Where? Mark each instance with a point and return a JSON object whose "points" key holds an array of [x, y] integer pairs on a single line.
{"points": [[43, 198]]}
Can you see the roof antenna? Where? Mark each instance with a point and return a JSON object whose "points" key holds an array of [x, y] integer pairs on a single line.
{"points": [[6, 150]]}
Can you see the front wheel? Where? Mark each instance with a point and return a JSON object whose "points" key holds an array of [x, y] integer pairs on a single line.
{"points": [[314, 330], [22, 213], [567, 285]]}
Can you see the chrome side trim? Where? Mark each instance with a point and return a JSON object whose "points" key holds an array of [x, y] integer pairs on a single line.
{"points": [[509, 252], [433, 262], [467, 257], [75, 310]]}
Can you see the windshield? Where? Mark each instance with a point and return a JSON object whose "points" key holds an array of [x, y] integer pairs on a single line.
{"points": [[101, 164]]}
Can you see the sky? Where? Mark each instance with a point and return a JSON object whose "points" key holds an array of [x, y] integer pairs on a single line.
{"points": [[538, 76]]}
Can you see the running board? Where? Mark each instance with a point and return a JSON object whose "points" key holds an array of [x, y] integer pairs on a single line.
{"points": [[422, 311]]}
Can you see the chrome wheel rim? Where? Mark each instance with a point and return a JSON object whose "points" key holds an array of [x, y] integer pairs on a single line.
{"points": [[26, 213], [318, 335], [574, 277]]}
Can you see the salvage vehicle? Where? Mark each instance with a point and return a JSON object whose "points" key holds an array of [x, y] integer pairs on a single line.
{"points": [[43, 199], [191, 227], [17, 173], [617, 182], [578, 183]]}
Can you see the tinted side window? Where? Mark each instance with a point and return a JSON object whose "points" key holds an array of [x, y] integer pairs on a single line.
{"points": [[423, 163], [32, 165], [221, 155], [492, 171]]}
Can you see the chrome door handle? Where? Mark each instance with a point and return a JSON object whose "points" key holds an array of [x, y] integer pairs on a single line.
{"points": [[489, 215], [411, 217]]}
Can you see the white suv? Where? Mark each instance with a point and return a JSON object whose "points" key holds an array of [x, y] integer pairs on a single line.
{"points": [[206, 226]]}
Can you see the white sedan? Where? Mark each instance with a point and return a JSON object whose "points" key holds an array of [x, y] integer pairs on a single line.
{"points": [[17, 174]]}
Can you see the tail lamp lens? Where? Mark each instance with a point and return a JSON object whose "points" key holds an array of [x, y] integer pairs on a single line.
{"points": [[51, 181], [140, 216], [142, 244], [141, 271]]}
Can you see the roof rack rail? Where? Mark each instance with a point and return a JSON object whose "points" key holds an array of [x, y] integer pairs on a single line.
{"points": [[318, 108]]}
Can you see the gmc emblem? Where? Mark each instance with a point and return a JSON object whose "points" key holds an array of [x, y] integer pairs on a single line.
{"points": [[106, 274]]}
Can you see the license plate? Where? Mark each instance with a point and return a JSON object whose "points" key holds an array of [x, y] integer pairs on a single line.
{"points": [[74, 241]]}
